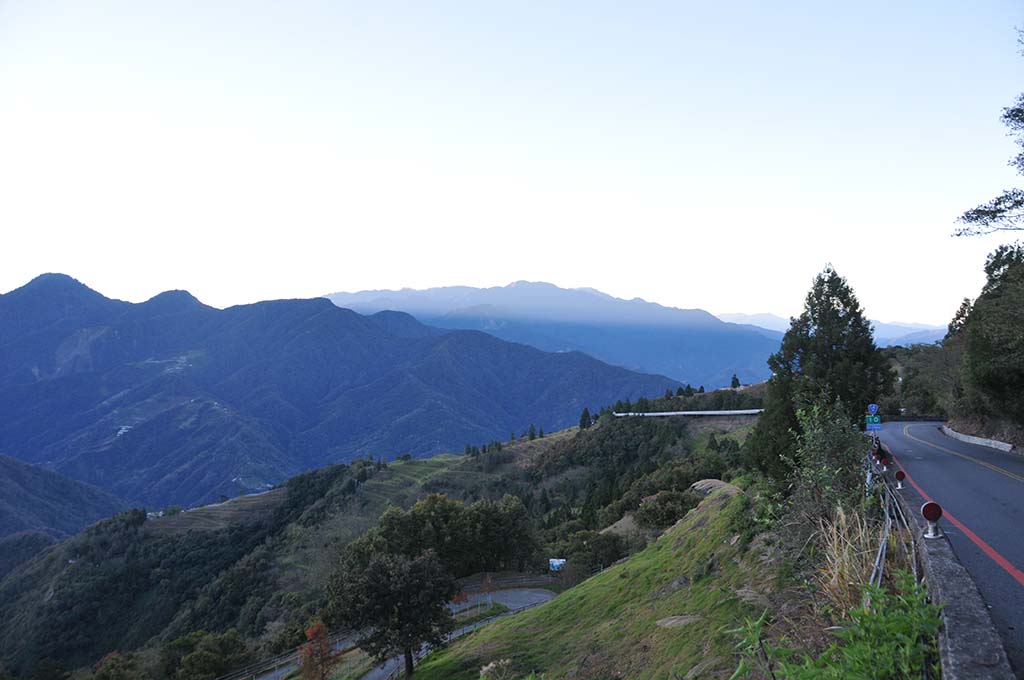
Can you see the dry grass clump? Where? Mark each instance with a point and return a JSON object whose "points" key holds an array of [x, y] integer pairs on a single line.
{"points": [[849, 543]]}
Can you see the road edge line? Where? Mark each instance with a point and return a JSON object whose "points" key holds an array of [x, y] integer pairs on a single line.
{"points": [[970, 647]]}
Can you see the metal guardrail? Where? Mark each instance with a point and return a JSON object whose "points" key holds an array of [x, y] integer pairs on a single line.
{"points": [[254, 670], [423, 651], [276, 663], [507, 583], [892, 514], [740, 412]]}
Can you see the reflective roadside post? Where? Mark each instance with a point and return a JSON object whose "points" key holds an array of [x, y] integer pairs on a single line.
{"points": [[931, 512], [900, 476]]}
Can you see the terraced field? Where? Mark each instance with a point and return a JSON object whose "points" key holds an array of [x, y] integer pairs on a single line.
{"points": [[220, 515]]}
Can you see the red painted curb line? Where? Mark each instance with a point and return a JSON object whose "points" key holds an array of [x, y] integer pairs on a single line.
{"points": [[992, 553]]}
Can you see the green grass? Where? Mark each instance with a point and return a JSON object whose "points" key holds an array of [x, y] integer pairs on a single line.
{"points": [[607, 626]]}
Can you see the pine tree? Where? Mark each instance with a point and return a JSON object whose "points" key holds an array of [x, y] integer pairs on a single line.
{"points": [[827, 352], [679, 391], [533, 432], [735, 381], [585, 420]]}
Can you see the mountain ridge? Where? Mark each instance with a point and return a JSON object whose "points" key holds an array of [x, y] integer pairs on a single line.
{"points": [[887, 334], [689, 345], [172, 401], [33, 499]]}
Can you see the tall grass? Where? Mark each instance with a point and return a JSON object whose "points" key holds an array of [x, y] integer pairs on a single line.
{"points": [[848, 543]]}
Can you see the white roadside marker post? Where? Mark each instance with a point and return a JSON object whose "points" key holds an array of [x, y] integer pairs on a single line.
{"points": [[931, 512]]}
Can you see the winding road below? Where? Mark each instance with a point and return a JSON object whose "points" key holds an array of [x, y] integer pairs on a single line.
{"points": [[981, 491], [514, 599]]}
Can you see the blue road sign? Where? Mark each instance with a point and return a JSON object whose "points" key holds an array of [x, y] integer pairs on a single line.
{"points": [[871, 427], [872, 409]]}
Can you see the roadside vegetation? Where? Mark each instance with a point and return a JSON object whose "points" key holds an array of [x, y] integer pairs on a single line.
{"points": [[974, 376], [137, 586], [749, 582], [378, 548], [663, 566]]}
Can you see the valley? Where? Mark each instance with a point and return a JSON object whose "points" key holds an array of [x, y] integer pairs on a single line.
{"points": [[171, 402]]}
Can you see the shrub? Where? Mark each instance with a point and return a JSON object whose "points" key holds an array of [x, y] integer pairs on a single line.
{"points": [[664, 509], [830, 475], [892, 638]]}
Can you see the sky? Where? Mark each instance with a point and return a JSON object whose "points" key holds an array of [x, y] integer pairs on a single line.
{"points": [[695, 154]]}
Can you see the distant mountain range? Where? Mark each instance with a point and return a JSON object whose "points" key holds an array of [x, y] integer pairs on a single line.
{"points": [[886, 334], [171, 401], [689, 345], [37, 500]]}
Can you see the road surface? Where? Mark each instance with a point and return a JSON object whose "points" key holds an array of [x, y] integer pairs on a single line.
{"points": [[981, 491], [513, 599]]}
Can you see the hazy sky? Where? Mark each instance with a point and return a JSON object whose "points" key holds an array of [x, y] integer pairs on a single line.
{"points": [[697, 154]]}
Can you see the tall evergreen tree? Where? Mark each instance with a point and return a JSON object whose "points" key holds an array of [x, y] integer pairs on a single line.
{"points": [[396, 603], [993, 330], [735, 382], [827, 351], [585, 420]]}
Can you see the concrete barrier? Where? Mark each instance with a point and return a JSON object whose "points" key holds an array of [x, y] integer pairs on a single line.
{"points": [[969, 645], [664, 414], [991, 443]]}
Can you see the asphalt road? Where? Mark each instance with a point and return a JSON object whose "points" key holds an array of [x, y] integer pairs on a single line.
{"points": [[981, 491], [513, 599]]}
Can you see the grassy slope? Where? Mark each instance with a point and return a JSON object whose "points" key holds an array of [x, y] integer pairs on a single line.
{"points": [[607, 627]]}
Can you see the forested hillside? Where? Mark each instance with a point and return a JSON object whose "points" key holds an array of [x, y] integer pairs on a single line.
{"points": [[261, 569], [975, 375], [36, 500]]}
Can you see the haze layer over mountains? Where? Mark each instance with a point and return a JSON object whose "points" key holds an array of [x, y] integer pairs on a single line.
{"points": [[690, 345]]}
